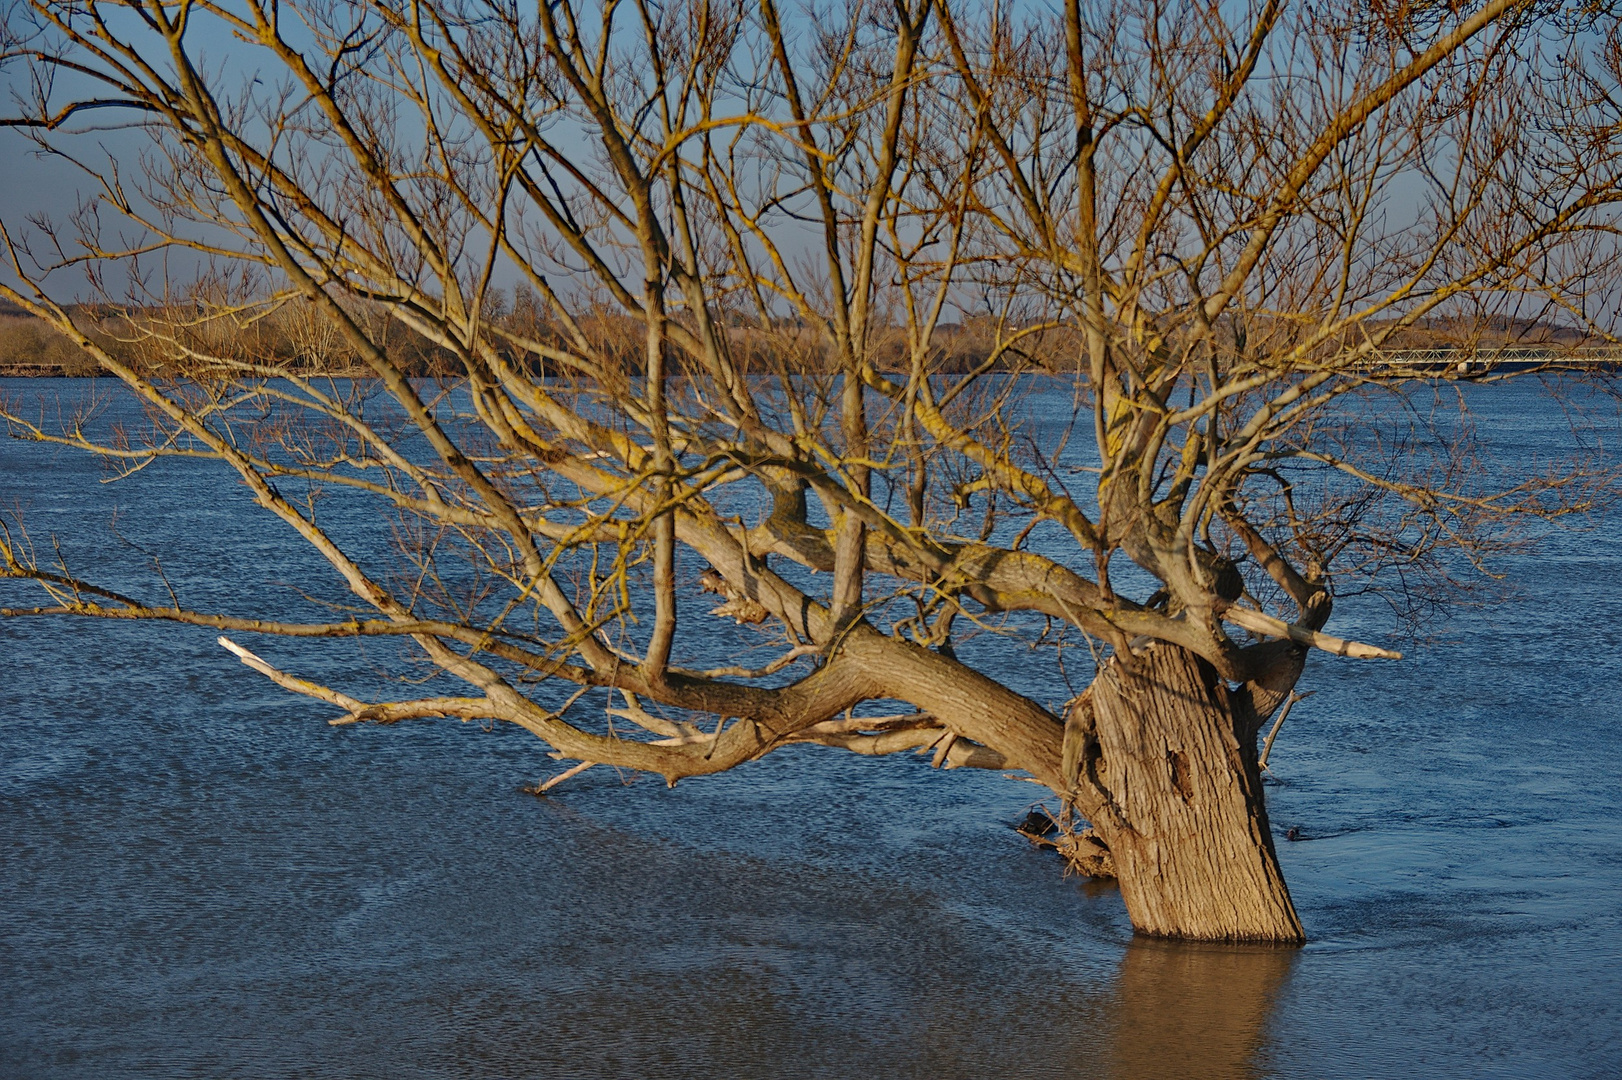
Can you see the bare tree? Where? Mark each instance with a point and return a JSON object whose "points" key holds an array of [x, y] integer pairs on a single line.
{"points": [[793, 287]]}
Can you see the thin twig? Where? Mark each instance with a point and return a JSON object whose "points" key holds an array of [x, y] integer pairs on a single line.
{"points": [[1289, 703]]}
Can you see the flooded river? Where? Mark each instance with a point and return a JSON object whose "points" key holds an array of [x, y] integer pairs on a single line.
{"points": [[199, 878]]}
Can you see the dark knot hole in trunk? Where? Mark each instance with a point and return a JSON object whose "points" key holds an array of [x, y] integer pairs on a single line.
{"points": [[1180, 778]]}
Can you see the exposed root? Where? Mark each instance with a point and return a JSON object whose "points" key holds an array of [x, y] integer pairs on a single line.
{"points": [[1083, 850]]}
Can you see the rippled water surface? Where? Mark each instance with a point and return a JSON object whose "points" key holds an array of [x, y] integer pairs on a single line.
{"points": [[198, 878]]}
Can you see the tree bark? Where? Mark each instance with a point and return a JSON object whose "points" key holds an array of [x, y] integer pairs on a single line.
{"points": [[1171, 759]]}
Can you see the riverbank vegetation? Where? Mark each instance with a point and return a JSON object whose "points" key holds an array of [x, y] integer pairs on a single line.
{"points": [[174, 341]]}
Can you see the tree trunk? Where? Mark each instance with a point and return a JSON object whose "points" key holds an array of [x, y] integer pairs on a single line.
{"points": [[1172, 757]]}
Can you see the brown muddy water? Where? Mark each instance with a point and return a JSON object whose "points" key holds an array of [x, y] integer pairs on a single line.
{"points": [[198, 878]]}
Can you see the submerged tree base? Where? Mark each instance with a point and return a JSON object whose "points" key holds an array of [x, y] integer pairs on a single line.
{"points": [[1165, 756]]}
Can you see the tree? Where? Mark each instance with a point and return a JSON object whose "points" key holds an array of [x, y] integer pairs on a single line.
{"points": [[791, 279]]}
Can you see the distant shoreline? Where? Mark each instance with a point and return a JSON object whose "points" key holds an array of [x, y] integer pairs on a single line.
{"points": [[59, 371], [39, 371]]}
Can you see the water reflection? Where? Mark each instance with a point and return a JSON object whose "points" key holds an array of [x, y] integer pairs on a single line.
{"points": [[1194, 1010]]}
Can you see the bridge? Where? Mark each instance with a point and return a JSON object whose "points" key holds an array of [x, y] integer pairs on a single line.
{"points": [[1480, 361]]}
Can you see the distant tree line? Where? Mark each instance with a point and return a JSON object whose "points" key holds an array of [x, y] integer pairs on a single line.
{"points": [[292, 335]]}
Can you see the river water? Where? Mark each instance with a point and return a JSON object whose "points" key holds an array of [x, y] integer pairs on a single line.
{"points": [[199, 878]]}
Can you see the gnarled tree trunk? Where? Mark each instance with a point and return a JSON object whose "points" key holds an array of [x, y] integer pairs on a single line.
{"points": [[1170, 756]]}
